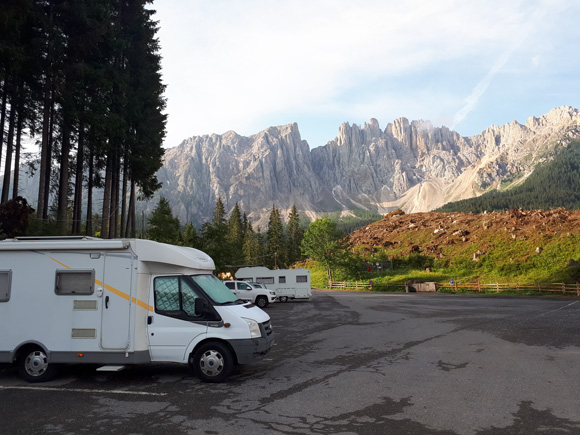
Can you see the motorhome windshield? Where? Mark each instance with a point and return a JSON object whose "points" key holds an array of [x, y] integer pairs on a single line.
{"points": [[214, 288]]}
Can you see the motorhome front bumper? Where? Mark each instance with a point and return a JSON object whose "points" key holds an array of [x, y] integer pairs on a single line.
{"points": [[252, 349]]}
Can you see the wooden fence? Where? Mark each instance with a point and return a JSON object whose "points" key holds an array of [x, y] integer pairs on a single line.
{"points": [[560, 288], [361, 285], [554, 287]]}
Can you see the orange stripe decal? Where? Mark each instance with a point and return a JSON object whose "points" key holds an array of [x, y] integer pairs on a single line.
{"points": [[63, 265]]}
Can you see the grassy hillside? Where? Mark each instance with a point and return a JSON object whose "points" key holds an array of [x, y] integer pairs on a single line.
{"points": [[554, 184], [500, 247]]}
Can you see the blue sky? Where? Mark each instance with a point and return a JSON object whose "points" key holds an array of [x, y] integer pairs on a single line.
{"points": [[247, 65]]}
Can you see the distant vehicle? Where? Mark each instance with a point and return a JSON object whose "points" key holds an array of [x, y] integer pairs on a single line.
{"points": [[287, 283], [250, 292], [121, 302]]}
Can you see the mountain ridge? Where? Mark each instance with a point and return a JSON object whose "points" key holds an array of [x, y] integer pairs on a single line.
{"points": [[410, 165]]}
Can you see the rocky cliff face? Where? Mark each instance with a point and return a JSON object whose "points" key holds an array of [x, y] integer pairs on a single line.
{"points": [[271, 167], [408, 165]]}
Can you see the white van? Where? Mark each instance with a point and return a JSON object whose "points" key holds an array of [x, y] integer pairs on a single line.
{"points": [[249, 292], [120, 302], [287, 283]]}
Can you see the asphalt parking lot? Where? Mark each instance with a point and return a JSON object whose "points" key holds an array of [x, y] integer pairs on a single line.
{"points": [[344, 363]]}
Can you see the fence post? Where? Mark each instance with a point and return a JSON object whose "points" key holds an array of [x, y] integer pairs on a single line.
{"points": [[578, 288], [478, 286], [497, 287], [455, 284], [563, 288]]}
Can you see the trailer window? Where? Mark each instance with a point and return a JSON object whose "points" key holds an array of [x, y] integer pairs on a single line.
{"points": [[282, 280], [301, 278], [5, 284], [266, 280], [75, 282]]}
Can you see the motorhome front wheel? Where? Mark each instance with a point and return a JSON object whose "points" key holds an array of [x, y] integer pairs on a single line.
{"points": [[212, 362]]}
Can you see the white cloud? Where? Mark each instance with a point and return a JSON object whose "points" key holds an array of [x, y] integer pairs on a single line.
{"points": [[230, 65]]}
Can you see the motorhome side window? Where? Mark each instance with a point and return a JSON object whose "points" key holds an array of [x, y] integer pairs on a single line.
{"points": [[301, 278], [75, 282], [5, 283], [266, 280], [281, 280], [174, 297]]}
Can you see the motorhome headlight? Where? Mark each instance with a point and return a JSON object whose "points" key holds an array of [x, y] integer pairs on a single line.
{"points": [[254, 328]]}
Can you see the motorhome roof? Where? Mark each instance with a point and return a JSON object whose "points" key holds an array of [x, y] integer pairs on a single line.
{"points": [[56, 244], [146, 250]]}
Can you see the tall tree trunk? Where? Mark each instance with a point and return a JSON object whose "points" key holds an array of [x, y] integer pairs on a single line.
{"points": [[107, 198], [89, 225], [48, 170], [15, 184], [131, 231], [2, 117], [44, 176], [79, 176], [124, 199], [9, 150], [114, 212], [63, 179]]}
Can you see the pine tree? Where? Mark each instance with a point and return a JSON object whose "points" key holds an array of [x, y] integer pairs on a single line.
{"points": [[235, 236], [253, 247], [219, 214], [295, 235], [213, 238], [163, 227], [275, 236], [190, 238]]}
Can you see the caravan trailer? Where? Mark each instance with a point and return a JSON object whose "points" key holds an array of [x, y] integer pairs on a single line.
{"points": [[121, 302], [287, 283]]}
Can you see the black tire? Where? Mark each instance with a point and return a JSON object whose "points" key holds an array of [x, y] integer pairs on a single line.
{"points": [[262, 301], [283, 298], [33, 365], [212, 362]]}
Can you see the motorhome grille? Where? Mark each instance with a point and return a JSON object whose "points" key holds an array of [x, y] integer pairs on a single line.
{"points": [[267, 327], [84, 305], [84, 333]]}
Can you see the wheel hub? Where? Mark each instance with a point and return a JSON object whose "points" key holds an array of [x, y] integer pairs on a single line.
{"points": [[36, 363], [211, 363]]}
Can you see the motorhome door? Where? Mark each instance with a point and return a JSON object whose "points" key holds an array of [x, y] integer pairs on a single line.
{"points": [[116, 301], [175, 323]]}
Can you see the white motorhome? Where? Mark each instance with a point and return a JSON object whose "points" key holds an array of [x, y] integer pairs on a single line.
{"points": [[287, 283], [121, 302]]}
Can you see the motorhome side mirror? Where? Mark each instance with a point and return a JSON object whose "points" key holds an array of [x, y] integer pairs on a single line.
{"points": [[201, 307]]}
